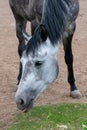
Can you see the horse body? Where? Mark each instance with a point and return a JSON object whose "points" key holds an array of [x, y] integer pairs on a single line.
{"points": [[27, 10], [39, 66]]}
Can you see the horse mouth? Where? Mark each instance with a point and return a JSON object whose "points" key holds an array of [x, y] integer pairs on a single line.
{"points": [[26, 108]]}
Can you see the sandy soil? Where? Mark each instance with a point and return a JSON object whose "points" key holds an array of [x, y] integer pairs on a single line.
{"points": [[59, 91]]}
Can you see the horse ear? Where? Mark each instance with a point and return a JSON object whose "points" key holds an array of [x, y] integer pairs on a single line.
{"points": [[43, 33]]}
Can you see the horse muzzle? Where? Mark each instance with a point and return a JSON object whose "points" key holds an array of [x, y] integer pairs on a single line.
{"points": [[24, 103]]}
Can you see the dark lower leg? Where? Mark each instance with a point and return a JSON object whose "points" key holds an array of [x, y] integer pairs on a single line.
{"points": [[20, 73], [69, 61], [71, 79], [21, 47]]}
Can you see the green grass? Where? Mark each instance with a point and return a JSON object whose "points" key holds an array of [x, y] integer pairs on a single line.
{"points": [[53, 117]]}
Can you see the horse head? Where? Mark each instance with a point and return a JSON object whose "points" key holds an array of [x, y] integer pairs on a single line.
{"points": [[39, 68]]}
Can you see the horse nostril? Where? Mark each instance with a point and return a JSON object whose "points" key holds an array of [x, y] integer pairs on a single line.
{"points": [[21, 101]]}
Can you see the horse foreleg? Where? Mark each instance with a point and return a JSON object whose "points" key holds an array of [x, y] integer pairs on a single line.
{"points": [[34, 24], [67, 42], [19, 25]]}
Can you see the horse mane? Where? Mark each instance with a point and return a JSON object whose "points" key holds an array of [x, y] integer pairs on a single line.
{"points": [[53, 18], [34, 42]]}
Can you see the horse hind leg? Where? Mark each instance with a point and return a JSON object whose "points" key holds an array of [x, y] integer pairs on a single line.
{"points": [[67, 43]]}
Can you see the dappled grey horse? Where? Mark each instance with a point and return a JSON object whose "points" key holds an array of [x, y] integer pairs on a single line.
{"points": [[38, 59]]}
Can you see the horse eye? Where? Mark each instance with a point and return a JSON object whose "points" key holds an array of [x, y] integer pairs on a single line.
{"points": [[38, 63]]}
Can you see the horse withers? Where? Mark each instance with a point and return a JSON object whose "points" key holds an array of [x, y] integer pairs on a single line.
{"points": [[38, 59]]}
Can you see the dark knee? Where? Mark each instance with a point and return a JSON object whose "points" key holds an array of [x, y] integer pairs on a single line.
{"points": [[21, 47], [69, 59]]}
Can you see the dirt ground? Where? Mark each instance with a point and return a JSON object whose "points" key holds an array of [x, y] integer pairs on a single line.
{"points": [[59, 91]]}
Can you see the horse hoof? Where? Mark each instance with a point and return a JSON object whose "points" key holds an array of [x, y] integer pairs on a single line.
{"points": [[75, 94]]}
